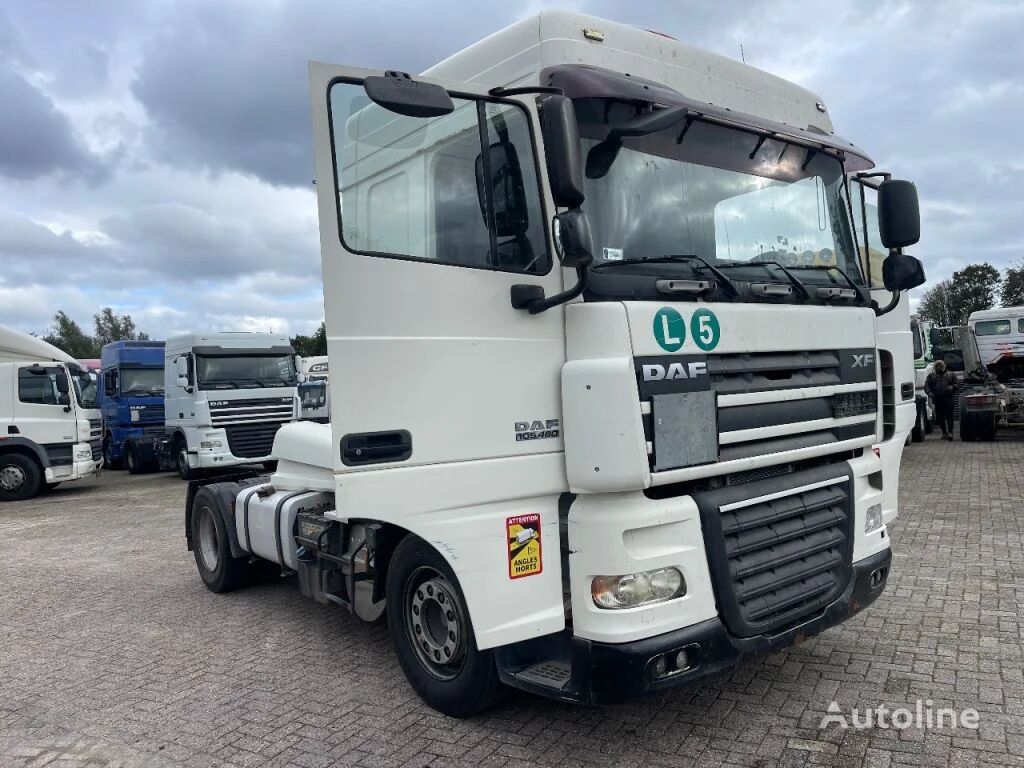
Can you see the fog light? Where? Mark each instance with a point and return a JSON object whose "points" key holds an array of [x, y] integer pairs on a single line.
{"points": [[634, 589], [873, 518], [682, 660], [209, 445], [660, 666]]}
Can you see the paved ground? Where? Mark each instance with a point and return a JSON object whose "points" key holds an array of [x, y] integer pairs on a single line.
{"points": [[113, 653]]}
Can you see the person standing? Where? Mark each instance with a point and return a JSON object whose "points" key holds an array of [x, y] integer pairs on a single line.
{"points": [[941, 385]]}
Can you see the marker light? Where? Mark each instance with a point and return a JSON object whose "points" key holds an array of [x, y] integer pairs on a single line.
{"points": [[873, 519], [635, 589]]}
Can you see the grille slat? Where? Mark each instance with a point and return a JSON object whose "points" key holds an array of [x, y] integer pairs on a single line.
{"points": [[783, 559], [250, 441]]}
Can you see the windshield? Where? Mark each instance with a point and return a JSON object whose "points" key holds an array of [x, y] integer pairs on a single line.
{"points": [[85, 386], [142, 381], [726, 196], [237, 371]]}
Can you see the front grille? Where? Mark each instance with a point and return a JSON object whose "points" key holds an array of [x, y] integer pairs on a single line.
{"points": [[96, 446], [250, 441], [778, 557], [151, 414], [840, 402], [95, 428], [265, 409]]}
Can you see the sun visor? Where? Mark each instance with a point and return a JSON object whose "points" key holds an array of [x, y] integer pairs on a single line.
{"points": [[580, 81]]}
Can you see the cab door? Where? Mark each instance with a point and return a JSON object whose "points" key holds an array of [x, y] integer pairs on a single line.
{"points": [[426, 224], [42, 408]]}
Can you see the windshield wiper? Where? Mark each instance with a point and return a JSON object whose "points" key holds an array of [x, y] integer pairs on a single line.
{"points": [[683, 258], [826, 268], [793, 279]]}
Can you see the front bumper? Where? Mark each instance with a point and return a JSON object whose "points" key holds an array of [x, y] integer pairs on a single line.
{"points": [[603, 673]]}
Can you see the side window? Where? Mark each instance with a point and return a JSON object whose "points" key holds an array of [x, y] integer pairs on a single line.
{"points": [[458, 189], [869, 241], [1020, 325], [992, 328], [38, 385], [915, 333]]}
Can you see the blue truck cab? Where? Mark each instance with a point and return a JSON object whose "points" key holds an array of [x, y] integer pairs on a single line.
{"points": [[131, 396]]}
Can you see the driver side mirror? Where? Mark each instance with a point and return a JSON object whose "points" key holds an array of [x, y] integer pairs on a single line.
{"points": [[562, 152], [63, 388], [899, 215]]}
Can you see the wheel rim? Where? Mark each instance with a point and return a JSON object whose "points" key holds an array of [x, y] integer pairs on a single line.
{"points": [[12, 478], [209, 541], [182, 462], [435, 623]]}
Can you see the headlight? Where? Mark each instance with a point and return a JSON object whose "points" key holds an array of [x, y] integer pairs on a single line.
{"points": [[83, 452], [136, 413], [634, 589], [209, 445], [873, 519]]}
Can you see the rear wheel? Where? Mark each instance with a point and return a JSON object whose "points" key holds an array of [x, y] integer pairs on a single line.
{"points": [[432, 635], [20, 477], [218, 568], [987, 432], [968, 427]]}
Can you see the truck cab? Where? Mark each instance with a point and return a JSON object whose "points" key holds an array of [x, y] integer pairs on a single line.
{"points": [[131, 396], [226, 395], [924, 364], [50, 427], [606, 371]]}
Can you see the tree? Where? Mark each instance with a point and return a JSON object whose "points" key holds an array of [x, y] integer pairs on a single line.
{"points": [[1012, 292], [68, 336], [310, 346], [973, 288], [937, 304], [111, 327]]}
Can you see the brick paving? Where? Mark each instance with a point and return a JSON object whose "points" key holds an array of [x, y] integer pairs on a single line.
{"points": [[113, 654]]}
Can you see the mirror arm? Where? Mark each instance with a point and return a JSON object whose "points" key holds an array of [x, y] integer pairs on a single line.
{"points": [[879, 311], [531, 297], [499, 91]]}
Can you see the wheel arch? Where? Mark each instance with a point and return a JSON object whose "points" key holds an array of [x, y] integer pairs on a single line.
{"points": [[25, 447]]}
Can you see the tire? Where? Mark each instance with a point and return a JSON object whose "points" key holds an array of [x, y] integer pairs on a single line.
{"points": [[917, 433], [929, 424], [987, 432], [132, 460], [20, 477], [109, 462], [219, 570], [968, 431], [185, 472], [432, 633]]}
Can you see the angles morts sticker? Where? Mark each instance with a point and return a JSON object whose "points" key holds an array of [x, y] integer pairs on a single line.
{"points": [[522, 535]]}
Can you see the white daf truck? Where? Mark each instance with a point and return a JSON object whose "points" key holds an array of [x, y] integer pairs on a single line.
{"points": [[50, 430], [924, 364], [610, 368], [225, 397], [313, 389]]}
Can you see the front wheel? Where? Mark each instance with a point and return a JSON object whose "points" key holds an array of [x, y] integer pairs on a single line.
{"points": [[109, 462], [133, 461], [917, 433], [20, 477], [432, 634], [185, 472]]}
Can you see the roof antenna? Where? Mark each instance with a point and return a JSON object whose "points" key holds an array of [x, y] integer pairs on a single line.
{"points": [[742, 57]]}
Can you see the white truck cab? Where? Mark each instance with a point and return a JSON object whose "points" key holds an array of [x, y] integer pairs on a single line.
{"points": [[924, 364], [225, 397], [314, 388], [606, 374], [50, 430]]}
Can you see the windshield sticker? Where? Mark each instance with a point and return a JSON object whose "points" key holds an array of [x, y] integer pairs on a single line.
{"points": [[704, 329], [522, 535], [612, 254], [669, 329]]}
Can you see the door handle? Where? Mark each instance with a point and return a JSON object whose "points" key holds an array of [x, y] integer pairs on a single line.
{"points": [[376, 447]]}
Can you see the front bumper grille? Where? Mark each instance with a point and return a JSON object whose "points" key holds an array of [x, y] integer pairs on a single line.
{"points": [[759, 408], [96, 447], [251, 441], [779, 549]]}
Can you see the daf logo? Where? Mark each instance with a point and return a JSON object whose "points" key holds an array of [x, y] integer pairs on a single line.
{"points": [[656, 372], [863, 361]]}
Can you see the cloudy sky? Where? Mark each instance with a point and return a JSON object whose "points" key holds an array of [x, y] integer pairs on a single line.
{"points": [[155, 156]]}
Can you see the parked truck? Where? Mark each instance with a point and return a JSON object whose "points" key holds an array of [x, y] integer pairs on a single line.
{"points": [[992, 346], [131, 396], [226, 396], [924, 364], [49, 420], [594, 440], [313, 388]]}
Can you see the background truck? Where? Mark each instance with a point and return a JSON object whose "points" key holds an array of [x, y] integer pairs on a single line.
{"points": [[556, 300], [226, 395], [992, 347], [131, 396], [920, 332], [314, 388], [49, 421]]}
